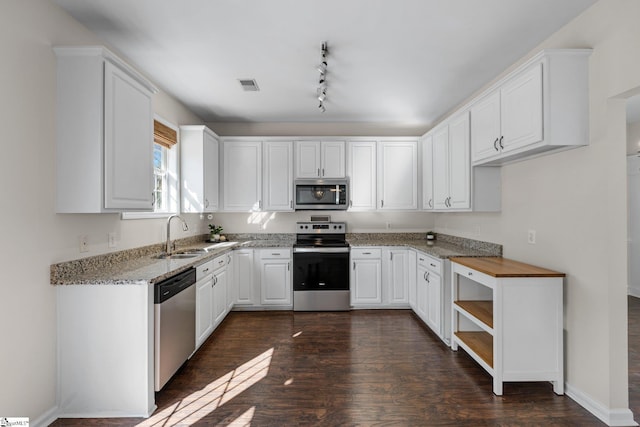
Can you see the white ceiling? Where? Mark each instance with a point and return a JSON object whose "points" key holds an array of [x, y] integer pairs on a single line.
{"points": [[401, 61]]}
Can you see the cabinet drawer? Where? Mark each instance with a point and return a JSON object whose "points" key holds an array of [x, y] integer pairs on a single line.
{"points": [[360, 253], [432, 264], [277, 253], [204, 269], [219, 262], [474, 275]]}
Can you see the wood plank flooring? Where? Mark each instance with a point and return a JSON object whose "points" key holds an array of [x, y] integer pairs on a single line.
{"points": [[379, 367]]}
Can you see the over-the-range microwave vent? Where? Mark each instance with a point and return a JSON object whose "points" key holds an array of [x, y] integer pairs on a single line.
{"points": [[249, 85]]}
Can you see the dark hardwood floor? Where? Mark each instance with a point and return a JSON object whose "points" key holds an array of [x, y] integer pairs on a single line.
{"points": [[366, 368]]}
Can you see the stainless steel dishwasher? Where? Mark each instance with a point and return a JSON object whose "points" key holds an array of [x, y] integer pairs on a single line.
{"points": [[175, 324]]}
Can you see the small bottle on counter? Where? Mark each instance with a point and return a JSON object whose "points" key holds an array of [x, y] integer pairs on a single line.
{"points": [[431, 237]]}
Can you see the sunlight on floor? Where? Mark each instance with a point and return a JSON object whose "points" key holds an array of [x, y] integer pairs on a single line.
{"points": [[199, 404]]}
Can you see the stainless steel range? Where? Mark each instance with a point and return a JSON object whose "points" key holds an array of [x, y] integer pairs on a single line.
{"points": [[321, 267]]}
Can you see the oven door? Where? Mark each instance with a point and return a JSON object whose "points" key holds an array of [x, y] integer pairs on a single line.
{"points": [[321, 269]]}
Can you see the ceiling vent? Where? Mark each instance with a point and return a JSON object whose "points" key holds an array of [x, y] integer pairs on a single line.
{"points": [[249, 85]]}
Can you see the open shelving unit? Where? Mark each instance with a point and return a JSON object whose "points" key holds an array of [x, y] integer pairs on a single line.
{"points": [[508, 316]]}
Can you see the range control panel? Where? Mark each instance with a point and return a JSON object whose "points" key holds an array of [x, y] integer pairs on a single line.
{"points": [[321, 227]]}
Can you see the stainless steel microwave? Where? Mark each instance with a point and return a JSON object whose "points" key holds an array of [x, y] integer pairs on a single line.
{"points": [[321, 194]]}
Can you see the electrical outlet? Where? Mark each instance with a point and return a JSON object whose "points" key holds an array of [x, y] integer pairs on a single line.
{"points": [[531, 237], [112, 240], [84, 243]]}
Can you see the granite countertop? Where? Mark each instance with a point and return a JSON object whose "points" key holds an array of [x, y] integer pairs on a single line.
{"points": [[142, 267]]}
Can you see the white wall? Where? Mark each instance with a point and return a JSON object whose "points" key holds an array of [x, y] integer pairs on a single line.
{"points": [[633, 138], [33, 236], [576, 201]]}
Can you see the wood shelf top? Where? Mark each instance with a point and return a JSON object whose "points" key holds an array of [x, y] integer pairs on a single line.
{"points": [[480, 342], [482, 310], [504, 267]]}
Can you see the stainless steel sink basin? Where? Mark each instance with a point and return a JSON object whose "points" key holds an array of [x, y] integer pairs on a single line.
{"points": [[194, 252], [177, 256]]}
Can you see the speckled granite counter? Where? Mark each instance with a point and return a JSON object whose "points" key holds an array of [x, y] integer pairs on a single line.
{"points": [[444, 246], [141, 265]]}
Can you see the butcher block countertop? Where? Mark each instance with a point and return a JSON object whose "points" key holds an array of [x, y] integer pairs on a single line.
{"points": [[504, 267]]}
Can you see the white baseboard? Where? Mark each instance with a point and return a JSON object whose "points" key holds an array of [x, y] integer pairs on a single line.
{"points": [[45, 419], [634, 292], [611, 417]]}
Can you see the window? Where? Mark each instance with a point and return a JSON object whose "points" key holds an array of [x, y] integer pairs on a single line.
{"points": [[165, 172]]}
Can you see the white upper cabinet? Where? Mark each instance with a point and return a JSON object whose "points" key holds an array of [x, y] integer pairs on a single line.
{"points": [[362, 175], [199, 154], [397, 174], [104, 133], [427, 172], [440, 168], [242, 175], [541, 106], [278, 175], [320, 159], [459, 163]]}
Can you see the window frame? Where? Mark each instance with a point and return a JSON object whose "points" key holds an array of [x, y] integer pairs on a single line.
{"points": [[173, 181]]}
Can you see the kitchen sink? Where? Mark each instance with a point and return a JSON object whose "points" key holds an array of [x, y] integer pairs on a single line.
{"points": [[177, 256], [194, 252]]}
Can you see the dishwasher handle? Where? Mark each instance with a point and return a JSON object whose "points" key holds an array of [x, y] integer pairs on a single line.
{"points": [[174, 285]]}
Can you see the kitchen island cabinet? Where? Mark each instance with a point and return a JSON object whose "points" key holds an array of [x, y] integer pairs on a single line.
{"points": [[508, 316]]}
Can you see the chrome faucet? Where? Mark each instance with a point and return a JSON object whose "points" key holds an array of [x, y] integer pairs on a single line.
{"points": [[185, 227]]}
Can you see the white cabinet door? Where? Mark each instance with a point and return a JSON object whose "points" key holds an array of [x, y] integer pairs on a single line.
{"points": [[459, 163], [199, 163], [521, 110], [421, 293], [441, 168], [231, 284], [275, 282], [411, 278], [219, 296], [427, 173], [366, 281], [210, 176], [278, 176], [204, 309], [398, 175], [242, 176], [128, 142], [332, 159], [434, 302], [307, 159], [362, 175], [397, 276], [243, 276], [485, 127]]}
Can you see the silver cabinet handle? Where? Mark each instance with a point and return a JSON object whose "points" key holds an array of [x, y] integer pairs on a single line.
{"points": [[430, 203], [391, 256], [424, 276], [318, 171], [259, 204], [350, 203], [432, 265], [153, 198], [275, 254], [206, 203], [421, 259], [382, 203], [495, 144], [205, 270], [291, 204], [366, 253], [500, 143], [288, 266], [322, 171], [427, 278], [354, 265], [470, 274]]}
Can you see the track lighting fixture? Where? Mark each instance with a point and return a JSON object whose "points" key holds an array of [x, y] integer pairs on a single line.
{"points": [[321, 92]]}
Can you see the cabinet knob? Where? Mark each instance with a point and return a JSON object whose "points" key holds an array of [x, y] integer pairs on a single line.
{"points": [[470, 274]]}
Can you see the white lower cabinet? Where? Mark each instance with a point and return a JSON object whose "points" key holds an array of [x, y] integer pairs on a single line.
{"points": [[211, 296], [395, 282], [433, 288], [244, 278], [275, 277], [366, 277], [204, 295]]}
